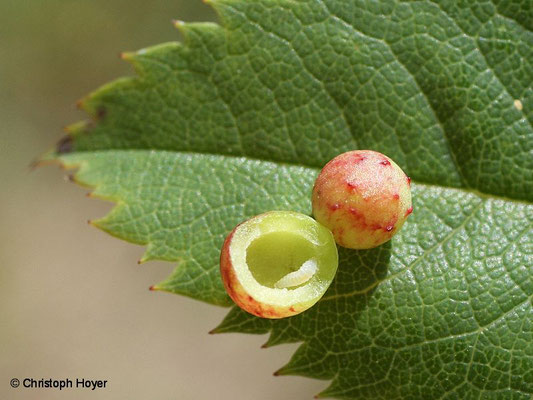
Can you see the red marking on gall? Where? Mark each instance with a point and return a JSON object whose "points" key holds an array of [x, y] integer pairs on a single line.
{"points": [[408, 180], [292, 309], [335, 163], [396, 196], [360, 220], [389, 228], [385, 162], [351, 185], [354, 211], [409, 211], [334, 207], [338, 232]]}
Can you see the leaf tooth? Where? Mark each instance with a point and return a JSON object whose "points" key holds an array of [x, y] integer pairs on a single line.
{"points": [[270, 342], [151, 254], [222, 8], [132, 57], [338, 389], [238, 321], [332, 390], [215, 331], [218, 3], [95, 103], [150, 54], [51, 158], [327, 393], [115, 218], [276, 338], [175, 284], [127, 55], [299, 365], [279, 336], [206, 40], [154, 288], [145, 258], [97, 190], [180, 26], [282, 371], [65, 145], [77, 128], [197, 28], [309, 362]]}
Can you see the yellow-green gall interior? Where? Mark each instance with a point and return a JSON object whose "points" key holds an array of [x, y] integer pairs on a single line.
{"points": [[278, 263], [275, 255]]}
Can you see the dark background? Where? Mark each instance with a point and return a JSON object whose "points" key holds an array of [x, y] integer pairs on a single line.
{"points": [[74, 303]]}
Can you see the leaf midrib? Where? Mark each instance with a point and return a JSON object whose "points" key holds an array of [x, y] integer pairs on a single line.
{"points": [[487, 196]]}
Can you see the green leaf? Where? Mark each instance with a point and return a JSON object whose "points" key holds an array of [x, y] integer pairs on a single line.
{"points": [[239, 120]]}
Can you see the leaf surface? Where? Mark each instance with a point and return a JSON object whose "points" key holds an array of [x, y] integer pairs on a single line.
{"points": [[239, 120]]}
